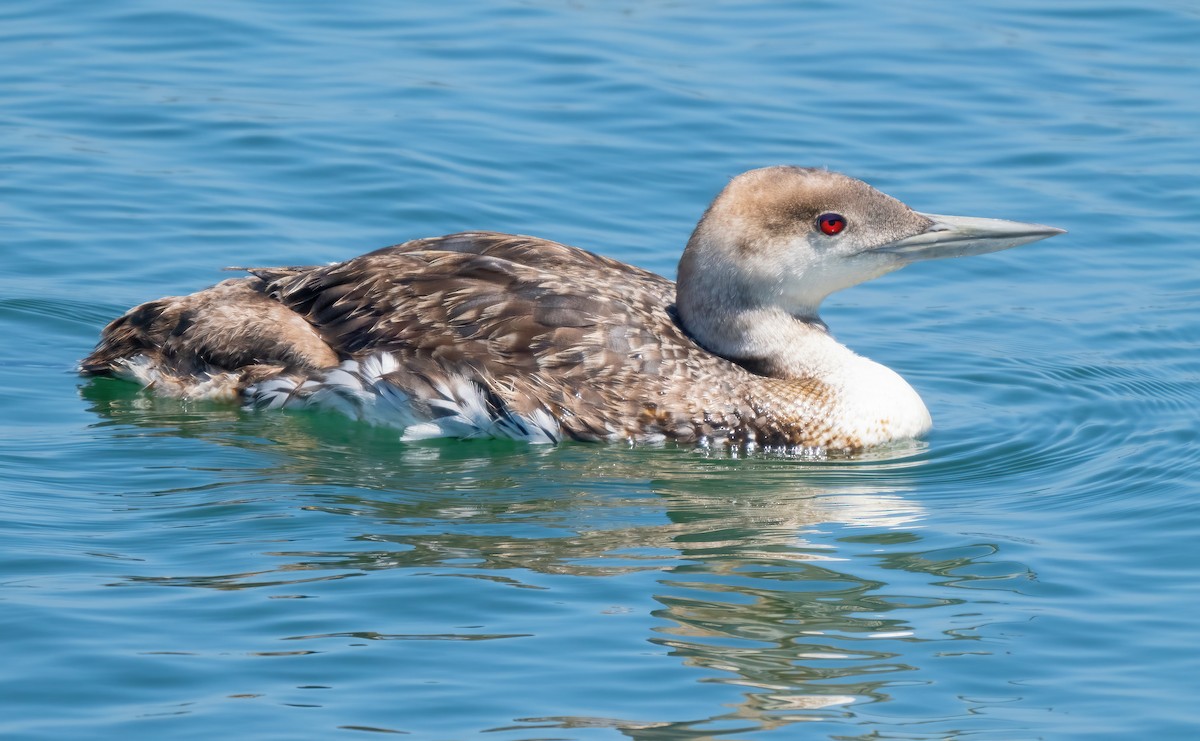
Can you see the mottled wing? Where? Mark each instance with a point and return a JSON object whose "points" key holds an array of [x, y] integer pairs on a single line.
{"points": [[541, 325], [182, 342], [522, 301]]}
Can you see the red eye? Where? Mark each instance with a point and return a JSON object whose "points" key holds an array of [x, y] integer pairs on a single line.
{"points": [[831, 223]]}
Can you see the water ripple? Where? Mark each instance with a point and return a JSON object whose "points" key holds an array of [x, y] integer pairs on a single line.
{"points": [[184, 569]]}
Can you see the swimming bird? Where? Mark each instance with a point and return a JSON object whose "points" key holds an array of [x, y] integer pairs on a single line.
{"points": [[481, 334]]}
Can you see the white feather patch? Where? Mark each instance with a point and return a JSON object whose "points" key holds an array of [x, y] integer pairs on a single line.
{"points": [[360, 391], [143, 370]]}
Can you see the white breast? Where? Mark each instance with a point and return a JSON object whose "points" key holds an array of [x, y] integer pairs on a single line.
{"points": [[876, 405]]}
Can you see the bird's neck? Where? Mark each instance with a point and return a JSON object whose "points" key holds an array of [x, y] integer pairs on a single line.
{"points": [[863, 401], [767, 340]]}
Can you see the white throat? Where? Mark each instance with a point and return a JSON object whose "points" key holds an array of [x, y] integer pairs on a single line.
{"points": [[868, 401]]}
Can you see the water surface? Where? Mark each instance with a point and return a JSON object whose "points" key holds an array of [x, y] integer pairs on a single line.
{"points": [[189, 570]]}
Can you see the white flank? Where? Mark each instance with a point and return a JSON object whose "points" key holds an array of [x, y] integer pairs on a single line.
{"points": [[205, 386], [360, 391]]}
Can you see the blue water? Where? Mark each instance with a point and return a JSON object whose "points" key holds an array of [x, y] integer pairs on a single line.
{"points": [[193, 571]]}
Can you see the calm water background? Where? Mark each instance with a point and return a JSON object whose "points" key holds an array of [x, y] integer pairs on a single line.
{"points": [[183, 571]]}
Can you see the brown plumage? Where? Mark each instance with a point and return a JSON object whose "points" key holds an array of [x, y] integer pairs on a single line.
{"points": [[550, 340]]}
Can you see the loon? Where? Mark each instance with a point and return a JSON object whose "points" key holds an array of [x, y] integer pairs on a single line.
{"points": [[481, 334]]}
